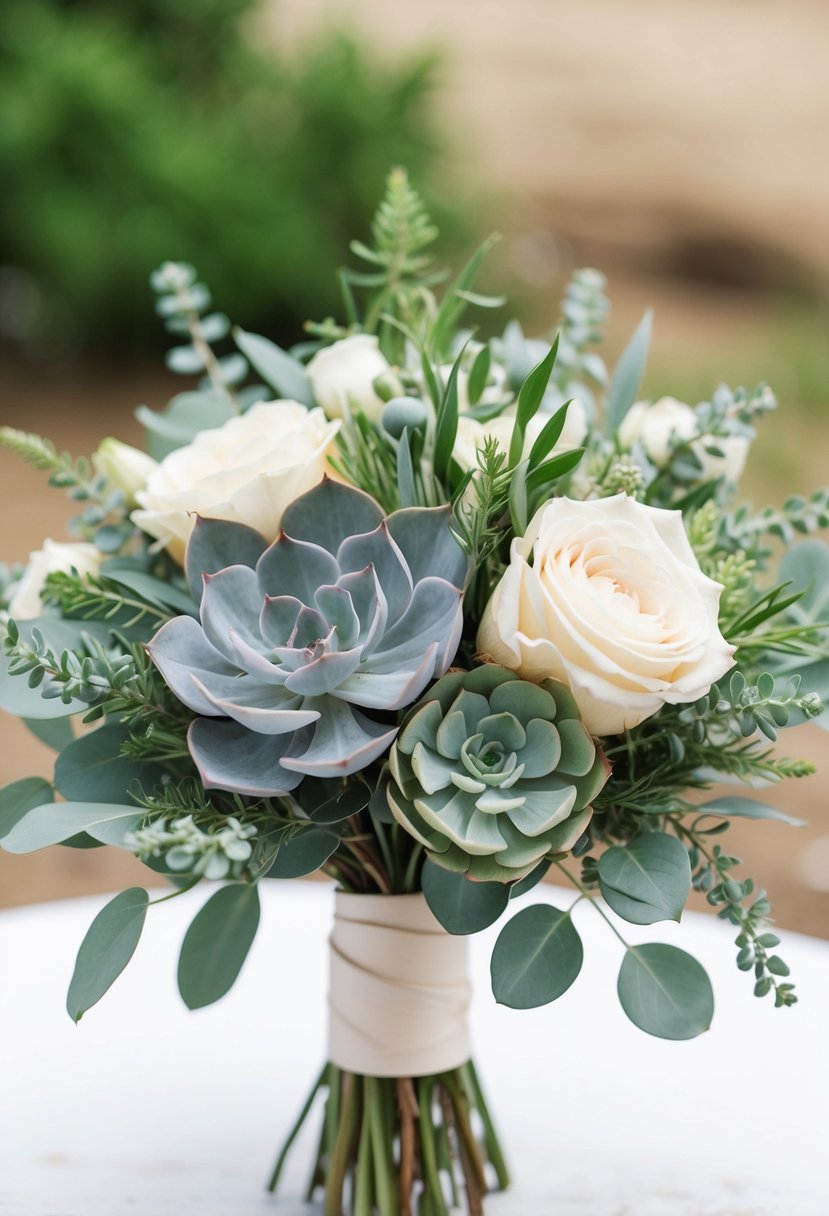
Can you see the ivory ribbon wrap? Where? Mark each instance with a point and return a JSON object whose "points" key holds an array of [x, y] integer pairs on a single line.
{"points": [[399, 993]]}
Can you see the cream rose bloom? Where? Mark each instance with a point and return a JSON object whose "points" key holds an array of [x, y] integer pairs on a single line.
{"points": [[614, 605], [247, 471], [471, 433], [667, 421], [345, 372], [53, 558]]}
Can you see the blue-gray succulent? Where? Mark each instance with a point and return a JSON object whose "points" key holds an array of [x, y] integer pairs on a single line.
{"points": [[303, 647]]}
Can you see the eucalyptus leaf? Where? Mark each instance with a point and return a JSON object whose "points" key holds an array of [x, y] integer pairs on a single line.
{"points": [[665, 991], [526, 884], [185, 417], [106, 949], [54, 823], [217, 944], [92, 769], [627, 375], [648, 879], [303, 852], [461, 905], [20, 797], [284, 373], [536, 958], [54, 732], [747, 808]]}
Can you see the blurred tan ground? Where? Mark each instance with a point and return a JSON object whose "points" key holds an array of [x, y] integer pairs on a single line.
{"points": [[681, 146]]}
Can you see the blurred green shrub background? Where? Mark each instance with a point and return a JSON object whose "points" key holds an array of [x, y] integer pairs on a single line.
{"points": [[148, 129]]}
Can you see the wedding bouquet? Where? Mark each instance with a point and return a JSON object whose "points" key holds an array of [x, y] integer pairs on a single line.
{"points": [[437, 616]]}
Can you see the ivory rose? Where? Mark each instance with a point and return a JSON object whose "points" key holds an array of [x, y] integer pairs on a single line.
{"points": [[614, 605], [668, 421], [471, 433], [55, 557], [344, 373], [247, 471]]}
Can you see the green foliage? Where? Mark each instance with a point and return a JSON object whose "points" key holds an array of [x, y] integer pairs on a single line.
{"points": [[627, 375], [646, 880], [462, 906], [55, 823], [138, 131], [217, 944], [665, 991], [20, 797], [536, 958], [106, 949], [301, 851]]}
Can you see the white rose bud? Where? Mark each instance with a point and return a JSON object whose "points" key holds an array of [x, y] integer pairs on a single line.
{"points": [[53, 558], [614, 605], [659, 427], [344, 373], [125, 468], [247, 471]]}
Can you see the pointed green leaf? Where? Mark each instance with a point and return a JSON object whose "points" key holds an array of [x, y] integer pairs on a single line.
{"points": [[665, 991], [283, 373], [648, 879], [461, 905], [529, 400], [478, 374], [747, 808], [217, 944], [106, 949], [446, 426], [549, 436], [627, 375], [536, 958]]}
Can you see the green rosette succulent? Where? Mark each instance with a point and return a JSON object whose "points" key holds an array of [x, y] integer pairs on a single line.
{"points": [[492, 773]]}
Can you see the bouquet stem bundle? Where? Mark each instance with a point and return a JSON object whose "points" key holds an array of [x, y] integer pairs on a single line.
{"points": [[400, 1146]]}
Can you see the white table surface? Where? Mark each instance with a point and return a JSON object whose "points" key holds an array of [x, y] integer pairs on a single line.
{"points": [[147, 1110]]}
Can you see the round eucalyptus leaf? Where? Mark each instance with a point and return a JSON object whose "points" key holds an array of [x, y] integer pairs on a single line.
{"points": [[302, 853], [92, 769], [536, 958], [217, 944], [106, 949], [17, 799], [665, 991], [461, 905], [646, 880]]}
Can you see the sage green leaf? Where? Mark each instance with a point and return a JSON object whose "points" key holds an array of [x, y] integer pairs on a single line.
{"points": [[17, 799], [303, 853], [536, 958], [461, 905], [42, 826], [217, 944], [529, 401], [92, 769], [627, 375], [54, 732], [748, 808], [478, 374], [665, 991], [106, 949], [526, 884], [183, 419], [646, 880], [281, 370]]}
